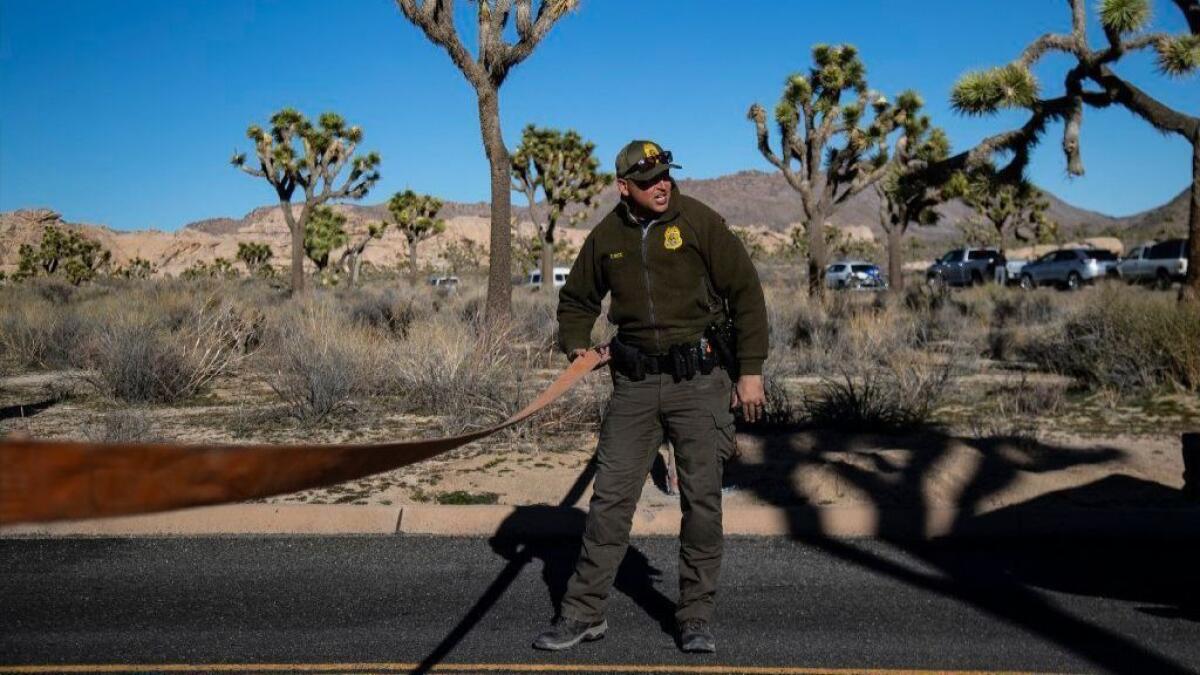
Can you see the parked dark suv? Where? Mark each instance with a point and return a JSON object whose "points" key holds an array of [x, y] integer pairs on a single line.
{"points": [[967, 267]]}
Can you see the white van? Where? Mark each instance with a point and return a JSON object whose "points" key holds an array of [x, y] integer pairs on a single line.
{"points": [[534, 280]]}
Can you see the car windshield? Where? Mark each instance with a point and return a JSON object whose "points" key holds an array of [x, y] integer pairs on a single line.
{"points": [[837, 268], [862, 268], [1101, 254], [950, 257]]}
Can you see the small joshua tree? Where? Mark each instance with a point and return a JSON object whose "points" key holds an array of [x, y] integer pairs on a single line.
{"points": [[256, 256], [416, 218], [294, 153], [1010, 207], [486, 71], [137, 268], [1092, 82], [324, 232], [837, 155], [62, 252], [563, 165], [351, 259], [907, 192]]}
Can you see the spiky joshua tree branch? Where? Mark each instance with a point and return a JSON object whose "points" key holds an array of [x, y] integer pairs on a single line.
{"points": [[1092, 82]]}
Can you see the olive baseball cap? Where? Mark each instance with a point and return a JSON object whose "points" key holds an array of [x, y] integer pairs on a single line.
{"points": [[643, 160]]}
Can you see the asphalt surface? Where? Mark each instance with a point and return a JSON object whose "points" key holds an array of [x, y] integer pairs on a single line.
{"points": [[1028, 605]]}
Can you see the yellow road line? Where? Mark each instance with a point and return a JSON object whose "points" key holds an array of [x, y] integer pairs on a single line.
{"points": [[476, 668]]}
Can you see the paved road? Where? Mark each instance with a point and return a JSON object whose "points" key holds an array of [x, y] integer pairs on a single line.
{"points": [[386, 603]]}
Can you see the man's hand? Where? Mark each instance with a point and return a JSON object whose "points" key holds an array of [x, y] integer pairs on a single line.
{"points": [[602, 350], [750, 395]]}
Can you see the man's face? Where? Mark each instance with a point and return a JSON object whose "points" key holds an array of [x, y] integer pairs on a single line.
{"points": [[650, 196]]}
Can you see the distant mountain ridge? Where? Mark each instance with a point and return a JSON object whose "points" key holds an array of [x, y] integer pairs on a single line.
{"points": [[754, 199], [757, 198]]}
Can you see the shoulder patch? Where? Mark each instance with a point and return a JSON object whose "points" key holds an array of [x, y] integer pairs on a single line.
{"points": [[672, 238]]}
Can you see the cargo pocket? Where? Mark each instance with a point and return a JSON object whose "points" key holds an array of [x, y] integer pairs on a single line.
{"points": [[723, 436]]}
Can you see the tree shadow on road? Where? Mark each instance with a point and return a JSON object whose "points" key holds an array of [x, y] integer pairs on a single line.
{"points": [[989, 575]]}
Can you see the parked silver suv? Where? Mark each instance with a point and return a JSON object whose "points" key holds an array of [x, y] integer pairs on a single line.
{"points": [[1068, 268], [1159, 263], [854, 274]]}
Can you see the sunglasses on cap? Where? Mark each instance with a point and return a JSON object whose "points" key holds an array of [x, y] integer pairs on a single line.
{"points": [[650, 162]]}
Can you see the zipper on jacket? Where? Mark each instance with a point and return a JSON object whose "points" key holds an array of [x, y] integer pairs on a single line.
{"points": [[649, 288]]}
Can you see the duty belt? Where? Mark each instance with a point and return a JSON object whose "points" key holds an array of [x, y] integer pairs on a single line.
{"points": [[681, 361]]}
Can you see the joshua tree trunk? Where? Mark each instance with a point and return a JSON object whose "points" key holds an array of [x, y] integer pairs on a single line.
{"points": [[817, 257], [895, 253], [1191, 284], [548, 262], [297, 230], [499, 292], [412, 259]]}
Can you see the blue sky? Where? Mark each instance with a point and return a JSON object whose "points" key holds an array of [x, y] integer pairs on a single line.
{"points": [[125, 112]]}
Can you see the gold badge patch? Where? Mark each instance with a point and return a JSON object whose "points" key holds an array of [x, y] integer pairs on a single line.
{"points": [[649, 150], [672, 239]]}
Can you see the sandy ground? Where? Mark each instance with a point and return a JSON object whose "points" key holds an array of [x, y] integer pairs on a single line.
{"points": [[1131, 450]]}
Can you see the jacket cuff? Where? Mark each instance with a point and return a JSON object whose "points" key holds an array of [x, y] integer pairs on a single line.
{"points": [[750, 366]]}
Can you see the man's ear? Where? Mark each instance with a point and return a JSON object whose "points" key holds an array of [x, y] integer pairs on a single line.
{"points": [[622, 187]]}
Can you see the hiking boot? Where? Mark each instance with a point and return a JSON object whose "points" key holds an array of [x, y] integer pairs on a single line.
{"points": [[565, 633], [695, 637]]}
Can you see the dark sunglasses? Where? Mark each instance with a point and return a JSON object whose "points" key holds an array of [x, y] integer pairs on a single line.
{"points": [[663, 157]]}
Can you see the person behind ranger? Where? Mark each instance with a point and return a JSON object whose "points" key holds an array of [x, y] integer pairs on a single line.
{"points": [[678, 277]]}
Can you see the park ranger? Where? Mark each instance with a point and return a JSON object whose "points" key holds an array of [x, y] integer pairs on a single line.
{"points": [[691, 323]]}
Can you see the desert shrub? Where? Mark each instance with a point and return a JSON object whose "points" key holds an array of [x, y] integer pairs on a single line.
{"points": [[137, 361], [1127, 343], [534, 320], [898, 395], [122, 426], [317, 363], [384, 310], [38, 334], [448, 368]]}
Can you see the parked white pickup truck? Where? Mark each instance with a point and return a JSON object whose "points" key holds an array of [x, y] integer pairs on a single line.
{"points": [[1159, 263]]}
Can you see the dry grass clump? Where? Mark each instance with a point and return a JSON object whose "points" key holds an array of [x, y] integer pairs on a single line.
{"points": [[534, 320], [317, 361], [1126, 342], [122, 426], [390, 309], [899, 393], [137, 360], [38, 334]]}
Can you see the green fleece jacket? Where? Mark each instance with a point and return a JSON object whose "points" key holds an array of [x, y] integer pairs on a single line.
{"points": [[668, 281]]}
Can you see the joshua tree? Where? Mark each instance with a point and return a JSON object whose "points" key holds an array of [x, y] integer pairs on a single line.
{"points": [[907, 192], [416, 218], [323, 233], [137, 268], [294, 153], [1091, 81], [256, 256], [64, 252], [563, 166], [351, 259], [811, 115], [1011, 207], [486, 71]]}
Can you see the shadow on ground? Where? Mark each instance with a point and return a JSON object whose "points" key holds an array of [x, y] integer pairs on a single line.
{"points": [[1160, 577], [1000, 580]]}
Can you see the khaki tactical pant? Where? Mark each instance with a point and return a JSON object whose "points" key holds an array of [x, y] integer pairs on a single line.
{"points": [[695, 416]]}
